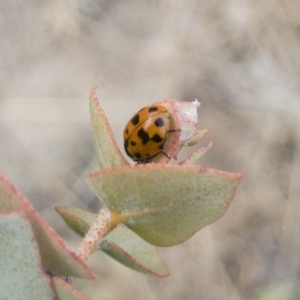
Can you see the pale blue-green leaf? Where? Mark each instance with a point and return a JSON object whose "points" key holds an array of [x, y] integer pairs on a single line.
{"points": [[66, 291], [165, 204], [195, 156], [21, 274], [129, 249], [56, 257], [122, 244], [107, 152]]}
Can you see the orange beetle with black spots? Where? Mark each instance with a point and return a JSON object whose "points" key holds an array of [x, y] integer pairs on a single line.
{"points": [[146, 133]]}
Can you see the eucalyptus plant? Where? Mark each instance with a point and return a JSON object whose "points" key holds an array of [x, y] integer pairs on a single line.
{"points": [[144, 206]]}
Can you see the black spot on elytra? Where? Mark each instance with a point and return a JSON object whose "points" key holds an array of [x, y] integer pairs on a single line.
{"points": [[157, 138], [159, 122], [152, 109], [135, 120], [126, 143], [137, 155], [133, 143], [144, 136], [126, 131], [126, 149], [147, 154]]}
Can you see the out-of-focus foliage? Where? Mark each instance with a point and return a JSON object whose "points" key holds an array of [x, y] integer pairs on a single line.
{"points": [[286, 291]]}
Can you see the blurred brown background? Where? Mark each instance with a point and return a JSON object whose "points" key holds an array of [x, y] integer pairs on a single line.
{"points": [[240, 59]]}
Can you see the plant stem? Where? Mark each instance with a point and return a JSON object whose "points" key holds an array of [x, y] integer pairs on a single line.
{"points": [[101, 227]]}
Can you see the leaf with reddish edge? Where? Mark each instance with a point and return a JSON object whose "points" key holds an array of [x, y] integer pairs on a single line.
{"points": [[165, 204], [56, 257], [79, 220], [65, 291], [183, 120], [196, 138], [132, 251], [195, 156], [107, 152], [21, 272], [121, 243], [184, 117]]}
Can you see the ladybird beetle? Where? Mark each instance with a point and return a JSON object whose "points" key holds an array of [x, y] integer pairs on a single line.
{"points": [[146, 133]]}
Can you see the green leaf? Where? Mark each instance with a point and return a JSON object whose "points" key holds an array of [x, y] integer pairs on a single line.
{"points": [[196, 138], [56, 257], [195, 156], [79, 220], [279, 291], [165, 204], [107, 152], [65, 291], [21, 274], [122, 244], [132, 251]]}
